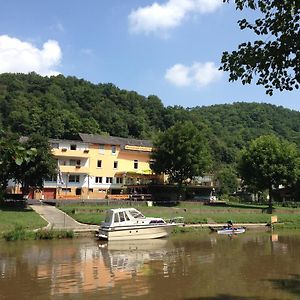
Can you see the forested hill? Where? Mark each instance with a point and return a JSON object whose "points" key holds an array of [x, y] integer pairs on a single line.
{"points": [[60, 107]]}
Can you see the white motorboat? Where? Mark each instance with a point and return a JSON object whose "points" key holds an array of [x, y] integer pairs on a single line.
{"points": [[129, 223]]}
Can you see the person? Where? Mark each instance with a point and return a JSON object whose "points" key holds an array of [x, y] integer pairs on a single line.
{"points": [[42, 199], [229, 224]]}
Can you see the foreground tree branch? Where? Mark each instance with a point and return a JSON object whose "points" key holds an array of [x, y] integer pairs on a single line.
{"points": [[273, 60]]}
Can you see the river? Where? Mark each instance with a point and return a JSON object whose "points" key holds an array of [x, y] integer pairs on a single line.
{"points": [[197, 265]]}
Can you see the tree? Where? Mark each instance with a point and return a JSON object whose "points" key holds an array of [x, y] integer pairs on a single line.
{"points": [[181, 153], [269, 162], [274, 59], [12, 156], [32, 173], [228, 181]]}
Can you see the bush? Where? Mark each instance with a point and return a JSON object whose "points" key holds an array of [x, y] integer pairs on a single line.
{"points": [[44, 234]]}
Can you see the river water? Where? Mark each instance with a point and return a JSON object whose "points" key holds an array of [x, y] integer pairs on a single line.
{"points": [[198, 265]]}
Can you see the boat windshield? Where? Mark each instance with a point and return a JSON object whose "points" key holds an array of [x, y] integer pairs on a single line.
{"points": [[136, 214], [108, 216]]}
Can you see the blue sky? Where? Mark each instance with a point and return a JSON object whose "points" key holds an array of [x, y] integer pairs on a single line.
{"points": [[168, 48]]}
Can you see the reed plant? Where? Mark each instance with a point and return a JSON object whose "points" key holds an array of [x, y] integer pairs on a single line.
{"points": [[20, 233]]}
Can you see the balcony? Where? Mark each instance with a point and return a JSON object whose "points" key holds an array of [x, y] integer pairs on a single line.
{"points": [[64, 152], [74, 169]]}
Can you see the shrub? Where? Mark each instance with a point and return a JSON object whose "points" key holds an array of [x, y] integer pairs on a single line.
{"points": [[44, 234]]}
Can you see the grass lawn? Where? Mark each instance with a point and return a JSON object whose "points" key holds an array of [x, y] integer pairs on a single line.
{"points": [[193, 213], [10, 217]]}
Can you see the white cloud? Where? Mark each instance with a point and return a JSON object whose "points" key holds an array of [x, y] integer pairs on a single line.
{"points": [[198, 74], [157, 17], [178, 75], [17, 56]]}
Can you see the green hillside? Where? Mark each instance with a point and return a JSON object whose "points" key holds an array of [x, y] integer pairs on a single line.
{"points": [[60, 107]]}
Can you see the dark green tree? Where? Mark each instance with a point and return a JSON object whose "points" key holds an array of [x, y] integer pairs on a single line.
{"points": [[274, 58], [31, 173], [269, 162], [228, 181], [12, 156], [181, 153]]}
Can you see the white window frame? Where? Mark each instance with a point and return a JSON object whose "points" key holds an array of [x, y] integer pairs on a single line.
{"points": [[98, 179], [109, 180]]}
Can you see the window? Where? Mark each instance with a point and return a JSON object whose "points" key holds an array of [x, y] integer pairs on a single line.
{"points": [[116, 218], [73, 147], [113, 150], [135, 164], [98, 179], [119, 180], [115, 165], [99, 163], [74, 178], [51, 179], [101, 149], [108, 179], [121, 216], [136, 214], [75, 162]]}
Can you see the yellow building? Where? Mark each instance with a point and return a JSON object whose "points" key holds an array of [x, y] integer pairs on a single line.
{"points": [[95, 166]]}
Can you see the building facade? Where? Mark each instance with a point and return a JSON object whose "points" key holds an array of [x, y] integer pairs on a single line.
{"points": [[95, 166]]}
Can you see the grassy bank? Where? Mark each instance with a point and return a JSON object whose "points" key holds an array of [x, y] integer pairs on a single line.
{"points": [[20, 233], [22, 223], [194, 213], [12, 217]]}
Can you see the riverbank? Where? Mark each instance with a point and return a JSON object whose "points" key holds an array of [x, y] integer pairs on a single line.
{"points": [[14, 221], [12, 216], [195, 213]]}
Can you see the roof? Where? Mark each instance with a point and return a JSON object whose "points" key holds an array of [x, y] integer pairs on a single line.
{"points": [[113, 140]]}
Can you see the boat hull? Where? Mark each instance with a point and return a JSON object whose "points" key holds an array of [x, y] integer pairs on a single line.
{"points": [[135, 233], [231, 231]]}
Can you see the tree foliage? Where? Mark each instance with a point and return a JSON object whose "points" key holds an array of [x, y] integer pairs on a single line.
{"points": [[12, 156], [274, 58], [269, 162], [31, 173], [28, 162], [181, 153], [60, 107], [227, 180]]}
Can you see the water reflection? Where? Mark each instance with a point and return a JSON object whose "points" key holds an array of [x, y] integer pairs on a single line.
{"points": [[187, 266]]}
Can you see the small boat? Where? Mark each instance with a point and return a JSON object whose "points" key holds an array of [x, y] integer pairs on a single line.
{"points": [[129, 223], [231, 230]]}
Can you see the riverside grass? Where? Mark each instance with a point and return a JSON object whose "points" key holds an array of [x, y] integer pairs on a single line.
{"points": [[19, 223], [195, 213], [20, 233], [12, 217]]}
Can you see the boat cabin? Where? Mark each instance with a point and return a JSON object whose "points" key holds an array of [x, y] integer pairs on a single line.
{"points": [[128, 216]]}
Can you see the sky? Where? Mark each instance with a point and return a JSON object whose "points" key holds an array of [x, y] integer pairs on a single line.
{"points": [[168, 48]]}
